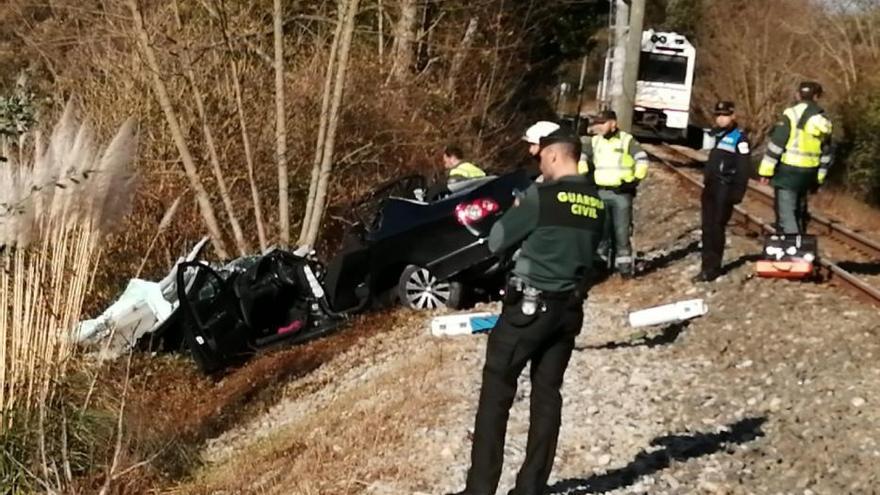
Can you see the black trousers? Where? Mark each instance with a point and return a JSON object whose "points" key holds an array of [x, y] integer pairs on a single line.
{"points": [[717, 209], [547, 342]]}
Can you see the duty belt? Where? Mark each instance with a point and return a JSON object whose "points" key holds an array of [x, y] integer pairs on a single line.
{"points": [[519, 291], [532, 299]]}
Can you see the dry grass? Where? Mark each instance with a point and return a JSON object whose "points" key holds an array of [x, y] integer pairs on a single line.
{"points": [[349, 440], [855, 214], [56, 209]]}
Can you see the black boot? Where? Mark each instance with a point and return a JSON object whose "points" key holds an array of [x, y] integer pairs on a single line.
{"points": [[707, 276]]}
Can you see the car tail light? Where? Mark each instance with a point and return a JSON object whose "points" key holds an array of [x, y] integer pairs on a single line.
{"points": [[476, 210]]}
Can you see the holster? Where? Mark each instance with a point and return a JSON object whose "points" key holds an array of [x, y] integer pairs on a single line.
{"points": [[513, 303]]}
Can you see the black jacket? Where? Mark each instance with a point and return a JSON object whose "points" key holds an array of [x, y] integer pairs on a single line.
{"points": [[729, 168]]}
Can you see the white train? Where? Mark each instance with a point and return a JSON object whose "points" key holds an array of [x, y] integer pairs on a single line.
{"points": [[664, 85]]}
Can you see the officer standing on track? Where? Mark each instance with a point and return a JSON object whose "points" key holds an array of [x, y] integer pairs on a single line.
{"points": [[617, 164], [558, 224], [726, 177], [798, 156]]}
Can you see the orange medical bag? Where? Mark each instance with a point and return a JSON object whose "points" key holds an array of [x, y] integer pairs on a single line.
{"points": [[788, 256]]}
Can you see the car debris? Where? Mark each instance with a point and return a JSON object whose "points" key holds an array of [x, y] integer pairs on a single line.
{"points": [[141, 309], [668, 313], [463, 324], [425, 255]]}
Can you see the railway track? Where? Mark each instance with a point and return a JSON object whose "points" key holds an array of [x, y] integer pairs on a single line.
{"points": [[822, 225]]}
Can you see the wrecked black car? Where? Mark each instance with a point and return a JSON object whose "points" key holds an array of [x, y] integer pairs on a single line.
{"points": [[424, 254]]}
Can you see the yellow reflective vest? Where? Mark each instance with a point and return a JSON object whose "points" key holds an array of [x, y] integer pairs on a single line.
{"points": [[614, 161], [803, 147], [464, 171]]}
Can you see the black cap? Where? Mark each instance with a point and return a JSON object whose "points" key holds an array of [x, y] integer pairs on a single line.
{"points": [[604, 116], [724, 108], [561, 135], [809, 89]]}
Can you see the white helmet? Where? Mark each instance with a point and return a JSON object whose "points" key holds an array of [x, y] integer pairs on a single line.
{"points": [[538, 130]]}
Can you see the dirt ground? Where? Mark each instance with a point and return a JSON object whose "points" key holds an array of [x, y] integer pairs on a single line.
{"points": [[774, 391]]}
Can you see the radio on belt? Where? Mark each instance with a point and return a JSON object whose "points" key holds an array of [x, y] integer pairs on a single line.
{"points": [[788, 256]]}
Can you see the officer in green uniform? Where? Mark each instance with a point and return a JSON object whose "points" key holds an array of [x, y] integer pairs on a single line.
{"points": [[798, 156], [615, 161], [557, 225]]}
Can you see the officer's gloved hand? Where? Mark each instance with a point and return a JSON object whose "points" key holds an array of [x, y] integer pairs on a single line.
{"points": [[820, 177]]}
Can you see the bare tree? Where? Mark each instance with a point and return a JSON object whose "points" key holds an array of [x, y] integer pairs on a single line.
{"points": [[845, 32], [380, 20], [249, 157], [281, 131], [213, 157], [351, 9], [189, 165], [404, 36], [755, 60], [322, 124], [461, 54]]}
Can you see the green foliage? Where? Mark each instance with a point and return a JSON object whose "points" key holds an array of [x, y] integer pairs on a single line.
{"points": [[82, 439], [17, 113], [857, 165], [14, 477], [683, 16], [573, 26]]}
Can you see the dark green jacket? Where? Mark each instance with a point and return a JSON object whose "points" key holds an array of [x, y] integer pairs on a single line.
{"points": [[787, 176], [559, 224]]}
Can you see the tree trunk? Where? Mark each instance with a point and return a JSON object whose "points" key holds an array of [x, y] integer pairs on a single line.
{"points": [[404, 35], [281, 132], [237, 233], [207, 211], [461, 54], [380, 17], [249, 158], [332, 122], [322, 124]]}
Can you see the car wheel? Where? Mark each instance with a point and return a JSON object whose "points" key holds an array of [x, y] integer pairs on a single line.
{"points": [[418, 288]]}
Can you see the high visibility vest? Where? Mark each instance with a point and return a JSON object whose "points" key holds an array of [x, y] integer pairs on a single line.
{"points": [[804, 146], [466, 170], [614, 165]]}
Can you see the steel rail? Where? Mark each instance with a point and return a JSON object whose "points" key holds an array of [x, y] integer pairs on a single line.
{"points": [[831, 270], [828, 226]]}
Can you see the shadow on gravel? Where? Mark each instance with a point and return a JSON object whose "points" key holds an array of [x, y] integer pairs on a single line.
{"points": [[666, 259], [673, 448], [860, 268], [668, 335], [739, 262]]}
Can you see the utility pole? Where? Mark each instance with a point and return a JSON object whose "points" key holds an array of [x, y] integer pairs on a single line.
{"points": [[580, 99], [631, 63], [620, 14]]}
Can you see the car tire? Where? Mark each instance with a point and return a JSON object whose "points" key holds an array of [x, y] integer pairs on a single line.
{"points": [[418, 288]]}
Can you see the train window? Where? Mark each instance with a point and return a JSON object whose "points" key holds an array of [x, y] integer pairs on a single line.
{"points": [[658, 67]]}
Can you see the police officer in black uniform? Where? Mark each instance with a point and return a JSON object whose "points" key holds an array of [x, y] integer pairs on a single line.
{"points": [[726, 179], [557, 225]]}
